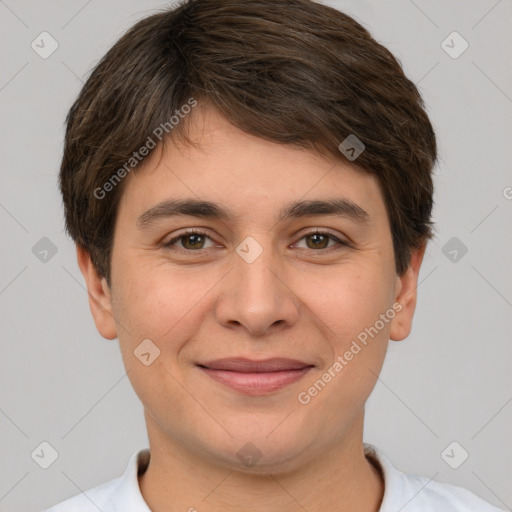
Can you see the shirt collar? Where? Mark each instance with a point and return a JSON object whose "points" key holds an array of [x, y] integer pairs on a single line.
{"points": [[395, 482], [127, 495]]}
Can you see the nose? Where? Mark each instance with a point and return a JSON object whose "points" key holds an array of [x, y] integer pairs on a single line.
{"points": [[257, 295]]}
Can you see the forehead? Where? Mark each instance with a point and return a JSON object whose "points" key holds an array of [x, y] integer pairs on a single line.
{"points": [[246, 174]]}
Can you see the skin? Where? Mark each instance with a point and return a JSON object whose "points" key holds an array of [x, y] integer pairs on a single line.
{"points": [[295, 300]]}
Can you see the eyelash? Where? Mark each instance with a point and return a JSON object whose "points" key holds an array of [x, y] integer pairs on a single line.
{"points": [[193, 231]]}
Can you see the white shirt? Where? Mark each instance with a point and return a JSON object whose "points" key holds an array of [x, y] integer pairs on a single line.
{"points": [[402, 492]]}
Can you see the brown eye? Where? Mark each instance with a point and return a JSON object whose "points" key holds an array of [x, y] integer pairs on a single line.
{"points": [[318, 241], [190, 241], [193, 241]]}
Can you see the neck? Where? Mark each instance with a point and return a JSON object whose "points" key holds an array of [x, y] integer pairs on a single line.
{"points": [[340, 478]]}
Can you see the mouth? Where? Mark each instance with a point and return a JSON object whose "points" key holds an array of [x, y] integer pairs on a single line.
{"points": [[253, 377]]}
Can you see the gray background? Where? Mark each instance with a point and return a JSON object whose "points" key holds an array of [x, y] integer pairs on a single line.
{"points": [[450, 381]]}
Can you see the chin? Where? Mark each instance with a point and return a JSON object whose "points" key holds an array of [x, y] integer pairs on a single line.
{"points": [[277, 452]]}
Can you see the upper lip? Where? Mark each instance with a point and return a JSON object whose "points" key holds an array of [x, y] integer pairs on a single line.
{"points": [[244, 365]]}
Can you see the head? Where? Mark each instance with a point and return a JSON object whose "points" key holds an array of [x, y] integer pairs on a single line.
{"points": [[232, 120]]}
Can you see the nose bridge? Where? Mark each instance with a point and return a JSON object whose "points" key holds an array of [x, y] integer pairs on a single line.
{"points": [[253, 271], [255, 295]]}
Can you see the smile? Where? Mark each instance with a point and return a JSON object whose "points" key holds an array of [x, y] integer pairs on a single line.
{"points": [[255, 377]]}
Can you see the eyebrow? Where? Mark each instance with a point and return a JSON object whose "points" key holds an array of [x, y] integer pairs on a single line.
{"points": [[339, 207]]}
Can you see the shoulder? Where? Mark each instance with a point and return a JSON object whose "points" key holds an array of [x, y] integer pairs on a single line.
{"points": [[121, 494], [416, 493], [441, 497], [100, 497]]}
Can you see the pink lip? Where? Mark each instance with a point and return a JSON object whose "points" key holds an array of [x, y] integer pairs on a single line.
{"points": [[255, 377]]}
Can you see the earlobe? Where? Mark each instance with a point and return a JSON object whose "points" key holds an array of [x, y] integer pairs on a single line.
{"points": [[99, 295], [406, 295]]}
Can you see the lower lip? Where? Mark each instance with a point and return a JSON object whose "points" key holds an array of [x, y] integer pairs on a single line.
{"points": [[256, 383]]}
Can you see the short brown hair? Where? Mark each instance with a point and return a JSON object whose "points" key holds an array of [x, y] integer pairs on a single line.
{"points": [[289, 71]]}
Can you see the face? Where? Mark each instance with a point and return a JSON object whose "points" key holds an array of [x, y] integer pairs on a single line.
{"points": [[268, 310]]}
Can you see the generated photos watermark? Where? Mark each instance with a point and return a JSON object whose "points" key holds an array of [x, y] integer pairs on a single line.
{"points": [[304, 397], [158, 133]]}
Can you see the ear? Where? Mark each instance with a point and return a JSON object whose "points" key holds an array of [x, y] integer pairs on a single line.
{"points": [[99, 295], [405, 296]]}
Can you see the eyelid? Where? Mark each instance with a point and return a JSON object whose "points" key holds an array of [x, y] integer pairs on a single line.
{"points": [[343, 241], [322, 231], [188, 231]]}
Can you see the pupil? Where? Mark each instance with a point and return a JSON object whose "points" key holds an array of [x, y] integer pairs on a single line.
{"points": [[196, 241], [318, 239]]}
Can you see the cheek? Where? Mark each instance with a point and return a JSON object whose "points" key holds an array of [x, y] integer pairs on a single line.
{"points": [[162, 304], [153, 304], [349, 300], [347, 307]]}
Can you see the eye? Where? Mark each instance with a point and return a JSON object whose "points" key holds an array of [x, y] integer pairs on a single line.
{"points": [[191, 240], [318, 239], [195, 240]]}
